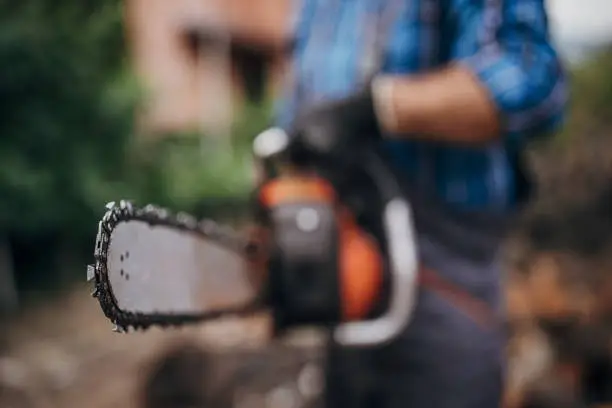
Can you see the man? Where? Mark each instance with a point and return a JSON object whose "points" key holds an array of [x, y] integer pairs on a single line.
{"points": [[454, 89]]}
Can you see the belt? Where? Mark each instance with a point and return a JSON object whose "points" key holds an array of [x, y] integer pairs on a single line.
{"points": [[476, 309]]}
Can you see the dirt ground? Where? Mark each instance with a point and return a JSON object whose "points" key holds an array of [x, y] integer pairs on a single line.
{"points": [[63, 354]]}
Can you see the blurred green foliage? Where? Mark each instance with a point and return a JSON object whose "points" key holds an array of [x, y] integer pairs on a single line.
{"points": [[67, 106], [61, 121], [591, 97], [193, 169]]}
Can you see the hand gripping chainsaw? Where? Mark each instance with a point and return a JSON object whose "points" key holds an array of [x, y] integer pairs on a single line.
{"points": [[331, 245]]}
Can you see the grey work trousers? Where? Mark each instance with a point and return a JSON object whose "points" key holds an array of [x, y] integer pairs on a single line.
{"points": [[448, 357]]}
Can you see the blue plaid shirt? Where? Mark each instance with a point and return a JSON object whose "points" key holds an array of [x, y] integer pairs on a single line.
{"points": [[505, 43]]}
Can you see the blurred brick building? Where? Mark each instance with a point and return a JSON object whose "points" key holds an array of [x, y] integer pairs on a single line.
{"points": [[200, 59]]}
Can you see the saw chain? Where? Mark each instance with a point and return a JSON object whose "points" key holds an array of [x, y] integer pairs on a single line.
{"points": [[155, 216]]}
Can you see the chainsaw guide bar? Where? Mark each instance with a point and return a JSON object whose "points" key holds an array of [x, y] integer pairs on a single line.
{"points": [[156, 216]]}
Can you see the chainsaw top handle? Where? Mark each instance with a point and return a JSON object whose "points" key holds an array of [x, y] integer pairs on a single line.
{"points": [[276, 144]]}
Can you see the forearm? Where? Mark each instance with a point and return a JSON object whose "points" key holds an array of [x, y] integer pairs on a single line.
{"points": [[449, 105], [513, 86]]}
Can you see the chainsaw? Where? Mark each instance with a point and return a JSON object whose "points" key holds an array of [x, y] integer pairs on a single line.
{"points": [[331, 245]]}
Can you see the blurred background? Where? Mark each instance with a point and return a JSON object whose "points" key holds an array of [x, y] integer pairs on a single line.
{"points": [[157, 101]]}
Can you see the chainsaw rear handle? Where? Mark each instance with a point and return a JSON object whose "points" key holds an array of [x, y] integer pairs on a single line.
{"points": [[400, 236]]}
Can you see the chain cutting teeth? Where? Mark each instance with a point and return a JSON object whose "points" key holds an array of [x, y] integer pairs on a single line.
{"points": [[118, 329], [125, 205], [91, 273]]}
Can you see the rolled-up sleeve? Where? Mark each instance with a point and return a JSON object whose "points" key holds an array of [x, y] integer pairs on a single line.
{"points": [[506, 43]]}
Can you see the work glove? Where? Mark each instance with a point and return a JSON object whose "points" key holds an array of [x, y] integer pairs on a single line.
{"points": [[337, 128]]}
